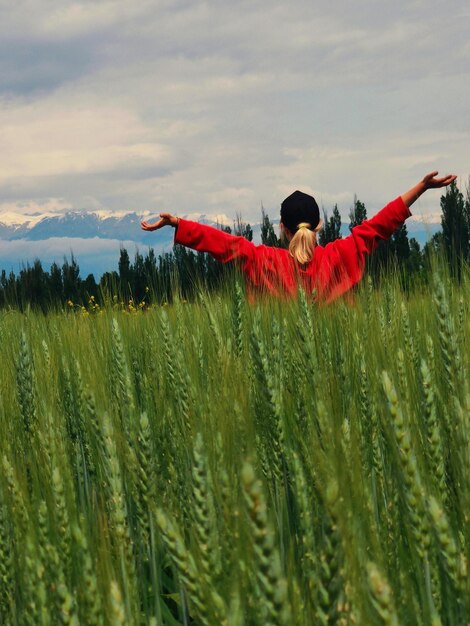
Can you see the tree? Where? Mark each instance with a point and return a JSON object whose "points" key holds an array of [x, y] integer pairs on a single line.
{"points": [[139, 279], [150, 269], [242, 229], [9, 289], [268, 236], [56, 283], [401, 245], [433, 247], [357, 214], [455, 228], [33, 283], [90, 286], [331, 227], [415, 261], [71, 279], [467, 217], [109, 284], [125, 272]]}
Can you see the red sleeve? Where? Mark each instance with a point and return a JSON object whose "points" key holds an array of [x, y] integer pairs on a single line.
{"points": [[345, 258], [366, 236], [220, 245]]}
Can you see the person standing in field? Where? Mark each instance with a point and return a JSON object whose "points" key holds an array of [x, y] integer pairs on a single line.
{"points": [[329, 270]]}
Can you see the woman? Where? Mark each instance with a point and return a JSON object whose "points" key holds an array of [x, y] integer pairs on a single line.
{"points": [[330, 270]]}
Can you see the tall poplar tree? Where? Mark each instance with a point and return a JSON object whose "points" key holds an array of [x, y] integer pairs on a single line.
{"points": [[357, 214], [268, 235], [331, 227], [455, 228]]}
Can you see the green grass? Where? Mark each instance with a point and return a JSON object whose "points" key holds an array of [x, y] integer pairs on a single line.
{"points": [[225, 463]]}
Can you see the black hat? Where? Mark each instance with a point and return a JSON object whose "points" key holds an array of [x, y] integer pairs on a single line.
{"points": [[297, 208]]}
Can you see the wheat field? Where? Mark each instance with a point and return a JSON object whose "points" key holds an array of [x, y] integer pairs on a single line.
{"points": [[221, 462]]}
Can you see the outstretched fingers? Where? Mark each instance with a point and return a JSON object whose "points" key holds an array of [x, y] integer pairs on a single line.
{"points": [[150, 226], [445, 180], [431, 180], [166, 219]]}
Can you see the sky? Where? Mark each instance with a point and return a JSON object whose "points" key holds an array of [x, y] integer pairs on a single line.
{"points": [[219, 107]]}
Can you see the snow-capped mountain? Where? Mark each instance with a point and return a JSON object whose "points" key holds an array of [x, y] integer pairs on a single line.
{"points": [[77, 225], [123, 226]]}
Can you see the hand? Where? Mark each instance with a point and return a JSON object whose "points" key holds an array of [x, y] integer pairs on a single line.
{"points": [[166, 220], [431, 182]]}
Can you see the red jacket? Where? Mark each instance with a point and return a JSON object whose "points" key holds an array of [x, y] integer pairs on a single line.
{"points": [[333, 270]]}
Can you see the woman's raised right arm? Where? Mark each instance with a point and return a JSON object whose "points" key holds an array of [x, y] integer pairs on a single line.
{"points": [[365, 237], [347, 256], [429, 182]]}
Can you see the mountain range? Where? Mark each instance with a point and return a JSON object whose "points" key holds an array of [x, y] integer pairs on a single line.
{"points": [[79, 225], [126, 226], [94, 237]]}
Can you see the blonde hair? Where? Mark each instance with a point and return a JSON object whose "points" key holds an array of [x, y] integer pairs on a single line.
{"points": [[303, 242]]}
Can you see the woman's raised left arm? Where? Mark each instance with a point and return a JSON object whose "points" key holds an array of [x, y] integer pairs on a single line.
{"points": [[221, 245]]}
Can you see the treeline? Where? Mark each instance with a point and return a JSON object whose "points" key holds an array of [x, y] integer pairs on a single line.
{"points": [[153, 279], [146, 280]]}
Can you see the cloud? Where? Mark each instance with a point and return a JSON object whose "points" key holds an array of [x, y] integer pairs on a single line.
{"points": [[219, 106], [48, 206], [54, 140]]}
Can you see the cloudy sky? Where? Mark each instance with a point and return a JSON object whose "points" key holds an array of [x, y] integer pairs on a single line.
{"points": [[215, 107]]}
